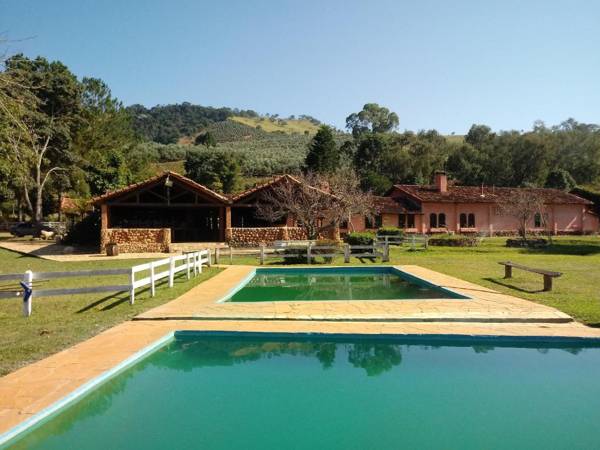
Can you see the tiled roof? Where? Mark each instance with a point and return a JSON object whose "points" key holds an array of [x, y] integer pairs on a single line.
{"points": [[275, 180], [184, 180], [260, 187], [478, 194], [392, 205]]}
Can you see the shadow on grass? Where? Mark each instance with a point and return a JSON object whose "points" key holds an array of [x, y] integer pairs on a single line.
{"points": [[565, 248], [99, 302], [515, 288]]}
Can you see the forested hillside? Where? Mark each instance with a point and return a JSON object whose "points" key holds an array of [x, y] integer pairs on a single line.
{"points": [[61, 135], [166, 124]]}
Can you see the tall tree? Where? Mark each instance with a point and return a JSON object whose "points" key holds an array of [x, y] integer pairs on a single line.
{"points": [[104, 141], [41, 147], [215, 169], [323, 153], [372, 118]]}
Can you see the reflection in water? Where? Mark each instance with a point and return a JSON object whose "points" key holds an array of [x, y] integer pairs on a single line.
{"points": [[373, 357], [331, 285]]}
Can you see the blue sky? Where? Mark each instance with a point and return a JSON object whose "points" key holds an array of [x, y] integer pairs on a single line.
{"points": [[438, 64]]}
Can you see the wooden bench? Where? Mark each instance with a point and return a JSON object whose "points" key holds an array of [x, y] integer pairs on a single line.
{"points": [[548, 274]]}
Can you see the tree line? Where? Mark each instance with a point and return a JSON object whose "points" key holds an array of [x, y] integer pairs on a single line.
{"points": [[561, 156]]}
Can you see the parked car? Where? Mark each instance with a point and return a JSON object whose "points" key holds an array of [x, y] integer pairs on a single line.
{"points": [[29, 229]]}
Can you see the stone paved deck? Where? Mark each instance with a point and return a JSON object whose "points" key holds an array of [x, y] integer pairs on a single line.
{"points": [[33, 388], [484, 304]]}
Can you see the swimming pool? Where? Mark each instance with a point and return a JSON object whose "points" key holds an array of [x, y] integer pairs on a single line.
{"points": [[337, 283], [303, 392]]}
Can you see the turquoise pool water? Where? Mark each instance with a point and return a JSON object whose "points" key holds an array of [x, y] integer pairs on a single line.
{"points": [[344, 283], [296, 393]]}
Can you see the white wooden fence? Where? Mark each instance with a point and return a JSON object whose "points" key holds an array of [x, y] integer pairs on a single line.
{"points": [[190, 262], [411, 239]]}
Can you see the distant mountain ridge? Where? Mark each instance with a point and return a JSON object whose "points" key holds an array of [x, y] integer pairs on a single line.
{"points": [[169, 124]]}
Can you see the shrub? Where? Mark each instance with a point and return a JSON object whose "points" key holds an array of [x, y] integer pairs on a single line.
{"points": [[454, 240], [390, 231], [360, 238]]}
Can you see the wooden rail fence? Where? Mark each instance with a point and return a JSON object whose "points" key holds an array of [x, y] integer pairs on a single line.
{"points": [[309, 252]]}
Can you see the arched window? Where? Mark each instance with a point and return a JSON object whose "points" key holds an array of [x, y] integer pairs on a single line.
{"points": [[537, 220], [471, 222], [441, 220], [463, 220], [432, 220]]}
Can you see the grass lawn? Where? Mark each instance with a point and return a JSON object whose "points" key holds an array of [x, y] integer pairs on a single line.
{"points": [[577, 292], [59, 322]]}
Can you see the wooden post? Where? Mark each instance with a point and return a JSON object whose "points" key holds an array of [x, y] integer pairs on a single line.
{"points": [[386, 253], [262, 255], [309, 253], [412, 242], [426, 240], [209, 259], [347, 253], [27, 293], [132, 288], [199, 255], [217, 255], [547, 283], [171, 271], [187, 262], [508, 272], [152, 283]]}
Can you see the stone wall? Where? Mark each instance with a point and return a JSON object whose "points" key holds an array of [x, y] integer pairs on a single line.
{"points": [[253, 237], [137, 240]]}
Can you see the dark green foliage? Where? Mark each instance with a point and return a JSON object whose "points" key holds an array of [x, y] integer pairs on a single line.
{"points": [[514, 158], [372, 119], [390, 231], [207, 139], [453, 240], [560, 179], [166, 124], [215, 169], [323, 153], [360, 238]]}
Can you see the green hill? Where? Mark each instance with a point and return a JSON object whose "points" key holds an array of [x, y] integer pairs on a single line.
{"points": [[274, 125]]}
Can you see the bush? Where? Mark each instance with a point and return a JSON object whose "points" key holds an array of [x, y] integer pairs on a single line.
{"points": [[529, 243], [86, 232], [453, 240], [360, 238], [390, 231]]}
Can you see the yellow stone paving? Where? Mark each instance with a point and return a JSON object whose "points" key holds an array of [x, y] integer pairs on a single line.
{"points": [[484, 304], [33, 388]]}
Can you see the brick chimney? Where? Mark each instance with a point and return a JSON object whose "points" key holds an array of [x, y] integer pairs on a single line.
{"points": [[441, 181]]}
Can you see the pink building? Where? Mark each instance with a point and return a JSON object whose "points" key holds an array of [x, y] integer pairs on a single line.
{"points": [[443, 207]]}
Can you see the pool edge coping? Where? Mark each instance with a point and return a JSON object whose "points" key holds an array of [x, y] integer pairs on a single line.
{"points": [[392, 268], [82, 390]]}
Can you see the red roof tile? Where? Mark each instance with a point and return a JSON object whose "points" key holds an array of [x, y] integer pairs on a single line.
{"points": [[478, 194]]}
